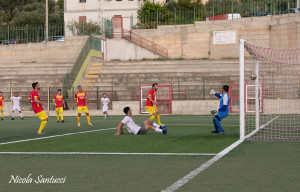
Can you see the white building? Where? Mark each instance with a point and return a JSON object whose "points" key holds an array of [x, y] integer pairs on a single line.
{"points": [[94, 10]]}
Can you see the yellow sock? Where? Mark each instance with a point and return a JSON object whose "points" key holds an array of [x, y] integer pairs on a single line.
{"points": [[43, 124], [78, 119], [62, 116], [57, 116], [88, 119], [152, 118], [1, 114], [158, 119]]}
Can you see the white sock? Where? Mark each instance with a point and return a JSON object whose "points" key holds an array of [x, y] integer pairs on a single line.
{"points": [[158, 130], [156, 125], [21, 115], [13, 114]]}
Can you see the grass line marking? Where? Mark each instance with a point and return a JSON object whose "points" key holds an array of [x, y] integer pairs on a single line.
{"points": [[204, 125], [202, 167], [53, 136], [208, 163], [106, 153]]}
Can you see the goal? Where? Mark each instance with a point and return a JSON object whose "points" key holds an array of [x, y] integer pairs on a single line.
{"points": [[269, 105], [164, 98]]}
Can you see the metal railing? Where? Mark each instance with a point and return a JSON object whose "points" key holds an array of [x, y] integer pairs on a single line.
{"points": [[138, 40], [214, 10]]}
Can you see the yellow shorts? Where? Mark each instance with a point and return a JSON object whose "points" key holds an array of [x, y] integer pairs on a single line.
{"points": [[42, 115], [82, 108], [59, 109], [152, 109], [1, 108]]}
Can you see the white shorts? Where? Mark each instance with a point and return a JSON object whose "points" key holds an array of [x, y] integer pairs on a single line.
{"points": [[16, 108], [104, 108]]}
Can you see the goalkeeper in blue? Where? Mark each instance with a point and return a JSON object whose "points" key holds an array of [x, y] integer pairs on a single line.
{"points": [[223, 110]]}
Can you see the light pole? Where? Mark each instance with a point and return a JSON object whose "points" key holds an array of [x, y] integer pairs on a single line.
{"points": [[46, 24]]}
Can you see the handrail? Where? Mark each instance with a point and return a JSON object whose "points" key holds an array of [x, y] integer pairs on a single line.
{"points": [[139, 40]]}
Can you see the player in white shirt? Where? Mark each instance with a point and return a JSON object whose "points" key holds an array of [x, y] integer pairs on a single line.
{"points": [[139, 129], [16, 105], [105, 102]]}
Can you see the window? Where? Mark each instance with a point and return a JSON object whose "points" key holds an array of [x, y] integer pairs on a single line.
{"points": [[82, 1], [82, 19]]}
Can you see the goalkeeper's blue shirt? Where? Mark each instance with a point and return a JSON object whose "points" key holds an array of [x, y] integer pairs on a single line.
{"points": [[224, 102]]}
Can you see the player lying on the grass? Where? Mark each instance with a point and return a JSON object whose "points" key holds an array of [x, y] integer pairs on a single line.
{"points": [[105, 102], [139, 129], [151, 104], [59, 102], [1, 105], [82, 103], [223, 110], [37, 108], [16, 105]]}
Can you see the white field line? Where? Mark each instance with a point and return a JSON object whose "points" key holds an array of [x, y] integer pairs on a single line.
{"points": [[106, 153], [204, 166], [262, 127], [204, 124], [208, 163], [53, 136]]}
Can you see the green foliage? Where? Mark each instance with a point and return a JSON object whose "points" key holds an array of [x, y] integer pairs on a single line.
{"points": [[89, 28], [31, 12]]}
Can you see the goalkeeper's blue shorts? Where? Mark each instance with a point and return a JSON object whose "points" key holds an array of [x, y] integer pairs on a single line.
{"points": [[221, 115]]}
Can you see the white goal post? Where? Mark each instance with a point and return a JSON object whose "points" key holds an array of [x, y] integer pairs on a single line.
{"points": [[269, 89]]}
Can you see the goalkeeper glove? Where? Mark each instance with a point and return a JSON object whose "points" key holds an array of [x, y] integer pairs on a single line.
{"points": [[212, 92], [214, 112]]}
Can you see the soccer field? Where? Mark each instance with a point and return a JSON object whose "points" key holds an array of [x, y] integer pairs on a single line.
{"points": [[93, 159]]}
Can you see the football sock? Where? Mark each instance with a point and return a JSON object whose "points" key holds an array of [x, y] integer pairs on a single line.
{"points": [[57, 116], [78, 119], [152, 118], [158, 130], [88, 119], [21, 115], [13, 114], [62, 116], [43, 124], [1, 114], [158, 119], [156, 125]]}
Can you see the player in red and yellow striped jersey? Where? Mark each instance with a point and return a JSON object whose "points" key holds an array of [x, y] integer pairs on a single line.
{"points": [[151, 104], [82, 103], [1, 105], [59, 104], [37, 108]]}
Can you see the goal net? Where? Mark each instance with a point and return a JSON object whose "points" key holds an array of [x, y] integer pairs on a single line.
{"points": [[269, 93], [164, 98]]}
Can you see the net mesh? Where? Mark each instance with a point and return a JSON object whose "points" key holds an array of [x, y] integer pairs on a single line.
{"points": [[279, 95]]}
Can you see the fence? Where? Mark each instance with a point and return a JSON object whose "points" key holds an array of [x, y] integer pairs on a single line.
{"points": [[10, 34], [228, 10]]}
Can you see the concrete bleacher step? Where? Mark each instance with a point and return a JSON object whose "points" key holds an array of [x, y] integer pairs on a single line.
{"points": [[95, 68], [92, 76], [89, 80]]}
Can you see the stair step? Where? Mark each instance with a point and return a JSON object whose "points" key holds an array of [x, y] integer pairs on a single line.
{"points": [[92, 76], [89, 80], [95, 68], [87, 85], [94, 72], [97, 64]]}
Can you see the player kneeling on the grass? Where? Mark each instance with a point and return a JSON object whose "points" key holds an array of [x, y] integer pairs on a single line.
{"points": [[58, 102], [16, 105], [1, 105], [37, 108], [223, 110], [82, 102], [105, 102], [138, 129]]}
